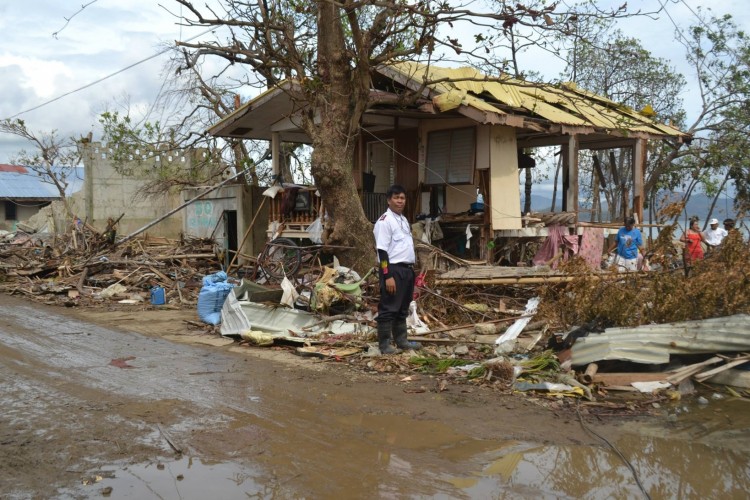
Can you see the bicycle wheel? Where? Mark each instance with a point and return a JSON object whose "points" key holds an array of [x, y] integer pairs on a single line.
{"points": [[281, 257]]}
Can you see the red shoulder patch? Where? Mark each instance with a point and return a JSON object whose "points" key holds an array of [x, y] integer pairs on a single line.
{"points": [[382, 217]]}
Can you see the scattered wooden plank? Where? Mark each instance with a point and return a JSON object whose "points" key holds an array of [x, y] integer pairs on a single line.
{"points": [[688, 371], [327, 352], [710, 373], [627, 378], [733, 377]]}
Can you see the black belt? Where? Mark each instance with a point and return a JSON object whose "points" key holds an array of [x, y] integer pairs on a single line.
{"points": [[403, 264]]}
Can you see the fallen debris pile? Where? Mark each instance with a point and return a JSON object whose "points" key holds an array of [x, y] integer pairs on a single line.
{"points": [[717, 287], [493, 332], [83, 267]]}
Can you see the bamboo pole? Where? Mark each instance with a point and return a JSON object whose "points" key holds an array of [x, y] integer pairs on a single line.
{"points": [[588, 375]]}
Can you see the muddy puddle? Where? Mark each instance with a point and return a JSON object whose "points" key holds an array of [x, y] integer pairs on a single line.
{"points": [[399, 458], [90, 411]]}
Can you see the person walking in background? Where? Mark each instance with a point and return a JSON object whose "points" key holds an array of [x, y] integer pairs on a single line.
{"points": [[728, 225], [692, 238], [714, 235], [395, 247], [628, 241]]}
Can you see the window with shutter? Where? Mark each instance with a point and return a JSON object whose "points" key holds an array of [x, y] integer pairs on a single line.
{"points": [[450, 156]]}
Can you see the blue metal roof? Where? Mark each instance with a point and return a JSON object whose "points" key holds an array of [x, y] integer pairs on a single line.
{"points": [[17, 185]]}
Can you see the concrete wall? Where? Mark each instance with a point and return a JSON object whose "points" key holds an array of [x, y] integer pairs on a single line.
{"points": [[108, 193], [204, 218]]}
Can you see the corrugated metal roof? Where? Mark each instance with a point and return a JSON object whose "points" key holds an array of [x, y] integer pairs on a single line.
{"points": [[17, 181], [653, 344], [565, 105]]}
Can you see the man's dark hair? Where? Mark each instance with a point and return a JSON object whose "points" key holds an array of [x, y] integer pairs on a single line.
{"points": [[395, 189], [629, 221]]}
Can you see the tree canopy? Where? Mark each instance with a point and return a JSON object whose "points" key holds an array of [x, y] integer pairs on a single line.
{"points": [[331, 48]]}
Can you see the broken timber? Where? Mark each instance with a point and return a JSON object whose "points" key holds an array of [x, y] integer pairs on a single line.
{"points": [[481, 274]]}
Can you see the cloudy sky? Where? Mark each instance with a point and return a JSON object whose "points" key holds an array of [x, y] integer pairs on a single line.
{"points": [[37, 66]]}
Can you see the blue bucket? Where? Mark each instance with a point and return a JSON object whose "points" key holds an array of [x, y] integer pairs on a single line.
{"points": [[157, 296]]}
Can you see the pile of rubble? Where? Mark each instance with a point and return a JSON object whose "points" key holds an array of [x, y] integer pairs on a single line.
{"points": [[568, 336], [84, 267]]}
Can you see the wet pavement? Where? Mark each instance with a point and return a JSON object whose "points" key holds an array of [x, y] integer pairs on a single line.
{"points": [[89, 410]]}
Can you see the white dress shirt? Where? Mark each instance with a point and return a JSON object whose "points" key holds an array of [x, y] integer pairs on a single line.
{"points": [[393, 234]]}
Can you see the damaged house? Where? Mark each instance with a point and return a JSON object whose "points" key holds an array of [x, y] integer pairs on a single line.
{"points": [[23, 192], [465, 136]]}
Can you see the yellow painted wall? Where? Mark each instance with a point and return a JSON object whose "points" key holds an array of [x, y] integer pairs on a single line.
{"points": [[505, 193]]}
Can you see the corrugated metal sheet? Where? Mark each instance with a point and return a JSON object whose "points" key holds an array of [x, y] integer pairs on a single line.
{"points": [[566, 105], [14, 185], [17, 185], [653, 344]]}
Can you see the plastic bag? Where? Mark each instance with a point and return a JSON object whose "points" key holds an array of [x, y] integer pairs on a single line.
{"points": [[315, 230], [290, 293], [212, 296], [413, 320]]}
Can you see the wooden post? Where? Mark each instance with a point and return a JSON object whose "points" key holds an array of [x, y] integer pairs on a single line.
{"points": [[572, 189], [640, 152], [275, 153]]}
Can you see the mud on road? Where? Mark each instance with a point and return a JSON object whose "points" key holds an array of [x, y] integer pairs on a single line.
{"points": [[92, 408]]}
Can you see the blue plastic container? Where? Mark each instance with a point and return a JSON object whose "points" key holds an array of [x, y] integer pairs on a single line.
{"points": [[157, 296]]}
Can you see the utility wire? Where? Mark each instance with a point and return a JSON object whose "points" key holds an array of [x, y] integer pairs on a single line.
{"points": [[616, 450], [161, 52]]}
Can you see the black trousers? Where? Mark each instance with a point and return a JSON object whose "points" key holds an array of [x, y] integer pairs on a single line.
{"points": [[396, 306]]}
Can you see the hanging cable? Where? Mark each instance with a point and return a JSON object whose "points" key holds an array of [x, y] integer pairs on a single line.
{"points": [[100, 80]]}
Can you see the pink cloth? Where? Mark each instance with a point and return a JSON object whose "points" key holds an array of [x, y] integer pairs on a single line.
{"points": [[557, 239], [592, 246]]}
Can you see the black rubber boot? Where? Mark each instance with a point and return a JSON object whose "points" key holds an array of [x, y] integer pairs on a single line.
{"points": [[384, 339], [399, 335]]}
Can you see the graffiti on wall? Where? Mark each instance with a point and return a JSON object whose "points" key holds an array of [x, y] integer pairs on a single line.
{"points": [[202, 217]]}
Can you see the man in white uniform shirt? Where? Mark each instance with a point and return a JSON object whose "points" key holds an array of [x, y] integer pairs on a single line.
{"points": [[714, 234], [395, 248]]}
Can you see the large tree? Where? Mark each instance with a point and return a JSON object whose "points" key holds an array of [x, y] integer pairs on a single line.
{"points": [[621, 69], [330, 48]]}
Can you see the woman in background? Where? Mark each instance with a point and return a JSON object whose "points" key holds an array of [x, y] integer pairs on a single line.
{"points": [[692, 238]]}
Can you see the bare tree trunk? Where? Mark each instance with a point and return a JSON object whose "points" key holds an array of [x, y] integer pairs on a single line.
{"points": [[595, 202], [334, 133], [716, 198]]}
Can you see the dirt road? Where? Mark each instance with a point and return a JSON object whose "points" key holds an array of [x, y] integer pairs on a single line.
{"points": [[91, 410]]}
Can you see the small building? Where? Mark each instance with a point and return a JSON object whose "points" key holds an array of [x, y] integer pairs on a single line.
{"points": [[22, 194], [464, 136]]}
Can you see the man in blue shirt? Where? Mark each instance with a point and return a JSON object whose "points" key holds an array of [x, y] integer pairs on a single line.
{"points": [[628, 242]]}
